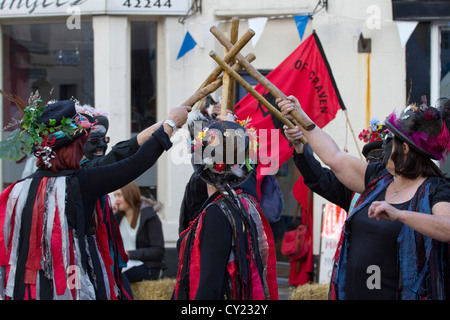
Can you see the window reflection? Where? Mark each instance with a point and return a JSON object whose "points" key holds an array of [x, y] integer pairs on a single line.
{"points": [[143, 75], [50, 58]]}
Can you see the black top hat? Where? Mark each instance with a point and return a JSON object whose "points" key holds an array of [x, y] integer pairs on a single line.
{"points": [[67, 124], [374, 148], [423, 128]]}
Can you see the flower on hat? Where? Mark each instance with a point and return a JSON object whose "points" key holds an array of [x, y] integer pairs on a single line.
{"points": [[375, 132], [219, 167]]}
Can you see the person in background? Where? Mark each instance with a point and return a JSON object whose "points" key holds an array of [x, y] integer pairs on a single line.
{"points": [[142, 234], [401, 221]]}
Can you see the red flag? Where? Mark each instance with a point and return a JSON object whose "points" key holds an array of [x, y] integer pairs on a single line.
{"points": [[306, 74]]}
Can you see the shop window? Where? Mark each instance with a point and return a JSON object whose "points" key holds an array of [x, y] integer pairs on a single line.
{"points": [[143, 75], [417, 68], [50, 58], [143, 91]]}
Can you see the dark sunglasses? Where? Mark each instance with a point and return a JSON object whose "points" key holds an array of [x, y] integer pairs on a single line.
{"points": [[97, 140]]}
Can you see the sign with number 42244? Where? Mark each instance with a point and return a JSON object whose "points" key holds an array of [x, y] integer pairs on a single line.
{"points": [[149, 6]]}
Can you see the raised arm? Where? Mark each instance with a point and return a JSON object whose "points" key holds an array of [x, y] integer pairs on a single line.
{"points": [[319, 179], [347, 168], [105, 179]]}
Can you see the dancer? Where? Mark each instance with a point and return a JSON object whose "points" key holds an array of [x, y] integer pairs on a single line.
{"points": [[50, 247], [227, 252], [401, 222]]}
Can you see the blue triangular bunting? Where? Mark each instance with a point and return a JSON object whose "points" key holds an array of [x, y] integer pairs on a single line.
{"points": [[301, 22], [188, 44]]}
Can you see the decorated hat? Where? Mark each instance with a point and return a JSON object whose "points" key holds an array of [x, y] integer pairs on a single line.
{"points": [[46, 128], [100, 117], [60, 125], [224, 152], [423, 128], [373, 136]]}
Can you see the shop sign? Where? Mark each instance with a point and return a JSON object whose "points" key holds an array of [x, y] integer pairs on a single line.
{"points": [[42, 8], [166, 7], [332, 222]]}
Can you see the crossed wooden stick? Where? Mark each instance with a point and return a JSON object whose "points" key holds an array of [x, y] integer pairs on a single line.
{"points": [[229, 66]]}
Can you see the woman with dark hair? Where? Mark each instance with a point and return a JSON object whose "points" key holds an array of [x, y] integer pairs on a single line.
{"points": [[227, 252], [142, 234], [395, 241], [51, 244]]}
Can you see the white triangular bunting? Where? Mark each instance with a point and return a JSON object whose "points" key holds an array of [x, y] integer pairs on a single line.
{"points": [[405, 29], [257, 25]]}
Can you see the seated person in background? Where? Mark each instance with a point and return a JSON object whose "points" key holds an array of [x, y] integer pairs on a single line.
{"points": [[142, 234]]}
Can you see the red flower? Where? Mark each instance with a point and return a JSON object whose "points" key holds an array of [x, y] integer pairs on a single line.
{"points": [[219, 167]]}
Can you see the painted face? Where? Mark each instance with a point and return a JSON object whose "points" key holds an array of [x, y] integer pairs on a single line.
{"points": [[97, 143], [120, 202]]}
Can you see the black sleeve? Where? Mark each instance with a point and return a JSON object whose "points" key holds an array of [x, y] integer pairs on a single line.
{"points": [[322, 180], [441, 192], [373, 171], [215, 246], [120, 151], [98, 181]]}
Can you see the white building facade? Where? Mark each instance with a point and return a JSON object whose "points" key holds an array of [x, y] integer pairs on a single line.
{"points": [[121, 57]]}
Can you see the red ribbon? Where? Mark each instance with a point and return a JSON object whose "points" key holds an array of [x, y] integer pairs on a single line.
{"points": [[33, 263]]}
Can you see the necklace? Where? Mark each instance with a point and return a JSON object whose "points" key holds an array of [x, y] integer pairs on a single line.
{"points": [[397, 191]]}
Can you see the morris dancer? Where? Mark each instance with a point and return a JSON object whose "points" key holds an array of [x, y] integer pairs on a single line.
{"points": [[49, 247], [227, 252], [400, 225]]}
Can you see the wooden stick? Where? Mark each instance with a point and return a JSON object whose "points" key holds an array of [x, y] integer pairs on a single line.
{"points": [[225, 92], [230, 56], [213, 86], [299, 116], [354, 138], [226, 83], [254, 93], [232, 86]]}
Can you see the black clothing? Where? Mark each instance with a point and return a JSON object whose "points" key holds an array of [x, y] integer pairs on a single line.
{"points": [[322, 180], [196, 194], [373, 243], [97, 181], [227, 252], [149, 240], [215, 251], [83, 188]]}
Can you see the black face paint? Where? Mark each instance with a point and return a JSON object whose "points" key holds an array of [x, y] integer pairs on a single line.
{"points": [[96, 145]]}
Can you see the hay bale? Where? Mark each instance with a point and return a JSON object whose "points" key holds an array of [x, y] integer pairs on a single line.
{"points": [[311, 291], [161, 289]]}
